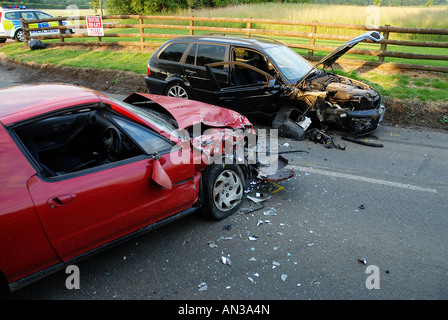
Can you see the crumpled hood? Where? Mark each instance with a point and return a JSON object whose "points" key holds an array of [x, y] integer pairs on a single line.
{"points": [[190, 112]]}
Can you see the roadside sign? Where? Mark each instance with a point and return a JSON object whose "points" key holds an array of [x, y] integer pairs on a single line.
{"points": [[94, 26]]}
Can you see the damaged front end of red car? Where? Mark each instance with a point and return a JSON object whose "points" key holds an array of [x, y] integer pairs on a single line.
{"points": [[206, 134]]}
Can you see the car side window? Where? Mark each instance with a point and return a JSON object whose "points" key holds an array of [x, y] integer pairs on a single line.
{"points": [[43, 15], [208, 53], [243, 75], [250, 57], [173, 52], [74, 141], [28, 16], [149, 141], [12, 15]]}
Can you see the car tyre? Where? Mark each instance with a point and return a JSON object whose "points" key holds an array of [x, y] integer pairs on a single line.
{"points": [[177, 90], [223, 188], [19, 36]]}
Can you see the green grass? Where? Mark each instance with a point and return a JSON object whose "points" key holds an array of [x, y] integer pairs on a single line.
{"points": [[82, 58], [403, 86], [416, 17]]}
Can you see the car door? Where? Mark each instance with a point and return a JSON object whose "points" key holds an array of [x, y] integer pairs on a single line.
{"points": [[85, 210], [29, 15], [42, 16], [196, 73], [251, 91]]}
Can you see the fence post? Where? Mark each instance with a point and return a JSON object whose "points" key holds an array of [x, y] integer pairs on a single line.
{"points": [[191, 25], [249, 26], [61, 31], [142, 31], [26, 32], [313, 39], [383, 47]]}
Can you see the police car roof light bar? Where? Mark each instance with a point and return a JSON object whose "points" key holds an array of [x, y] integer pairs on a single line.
{"points": [[16, 7]]}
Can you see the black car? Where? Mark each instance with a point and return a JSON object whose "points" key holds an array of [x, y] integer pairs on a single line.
{"points": [[263, 78]]}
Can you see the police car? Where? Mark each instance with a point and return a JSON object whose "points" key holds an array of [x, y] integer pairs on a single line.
{"points": [[11, 26]]}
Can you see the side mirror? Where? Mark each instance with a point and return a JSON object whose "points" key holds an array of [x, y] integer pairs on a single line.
{"points": [[158, 173]]}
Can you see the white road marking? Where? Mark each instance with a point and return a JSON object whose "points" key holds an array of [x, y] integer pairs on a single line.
{"points": [[363, 179]]}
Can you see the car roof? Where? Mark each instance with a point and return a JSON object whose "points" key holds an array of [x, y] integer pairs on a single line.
{"points": [[24, 102], [259, 42]]}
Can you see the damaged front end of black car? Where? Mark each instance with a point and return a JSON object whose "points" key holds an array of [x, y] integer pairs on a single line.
{"points": [[329, 100]]}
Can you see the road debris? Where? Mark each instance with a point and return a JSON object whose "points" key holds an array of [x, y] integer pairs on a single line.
{"points": [[211, 244], [319, 136], [362, 260], [362, 142], [263, 221], [225, 260], [258, 199], [270, 212], [203, 286]]}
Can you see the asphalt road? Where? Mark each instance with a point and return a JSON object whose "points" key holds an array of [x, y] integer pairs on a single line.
{"points": [[384, 206]]}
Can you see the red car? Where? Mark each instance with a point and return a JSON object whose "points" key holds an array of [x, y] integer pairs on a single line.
{"points": [[81, 171]]}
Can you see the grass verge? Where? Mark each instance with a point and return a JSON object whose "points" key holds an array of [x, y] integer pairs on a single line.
{"points": [[129, 60]]}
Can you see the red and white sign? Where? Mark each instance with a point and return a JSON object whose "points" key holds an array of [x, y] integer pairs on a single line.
{"points": [[94, 26]]}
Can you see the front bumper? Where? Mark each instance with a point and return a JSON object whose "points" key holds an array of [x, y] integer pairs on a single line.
{"points": [[363, 122]]}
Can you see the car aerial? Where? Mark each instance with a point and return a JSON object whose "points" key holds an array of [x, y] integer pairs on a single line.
{"points": [[264, 79], [82, 171], [11, 26]]}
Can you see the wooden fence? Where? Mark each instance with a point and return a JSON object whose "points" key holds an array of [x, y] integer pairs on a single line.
{"points": [[190, 26]]}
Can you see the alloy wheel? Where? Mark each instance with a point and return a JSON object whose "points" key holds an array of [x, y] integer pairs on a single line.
{"points": [[227, 190], [178, 92]]}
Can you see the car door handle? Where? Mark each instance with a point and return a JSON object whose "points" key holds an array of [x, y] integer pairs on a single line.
{"points": [[61, 200]]}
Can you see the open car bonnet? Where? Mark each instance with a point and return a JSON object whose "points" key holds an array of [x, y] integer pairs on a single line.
{"points": [[331, 58], [189, 112]]}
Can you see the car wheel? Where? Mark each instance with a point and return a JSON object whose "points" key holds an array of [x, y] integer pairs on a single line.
{"points": [[19, 36], [177, 90], [223, 190]]}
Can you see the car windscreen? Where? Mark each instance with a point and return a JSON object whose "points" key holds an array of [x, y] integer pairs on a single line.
{"points": [[290, 64]]}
